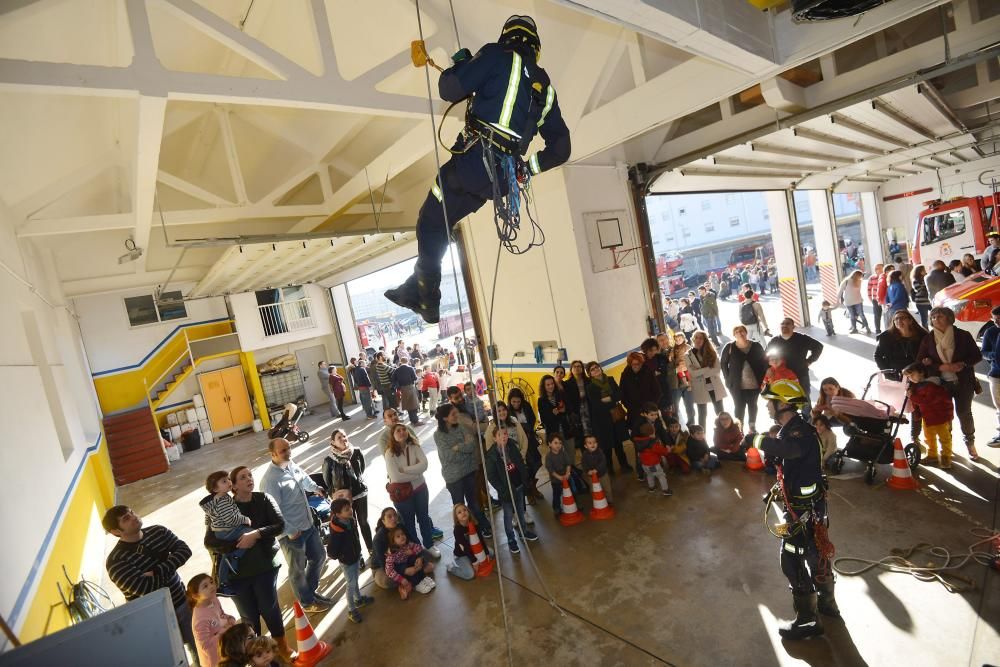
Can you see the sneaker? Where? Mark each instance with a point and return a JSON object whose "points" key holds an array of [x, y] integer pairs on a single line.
{"points": [[436, 534], [945, 464], [316, 607], [435, 553], [651, 489], [354, 616], [366, 600], [425, 586], [345, 418], [668, 492], [486, 533], [514, 549], [995, 442], [530, 536], [973, 454], [322, 599]]}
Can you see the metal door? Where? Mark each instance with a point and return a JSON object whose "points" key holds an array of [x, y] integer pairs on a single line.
{"points": [[309, 359]]}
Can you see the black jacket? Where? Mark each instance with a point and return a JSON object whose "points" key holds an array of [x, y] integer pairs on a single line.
{"points": [[801, 453], [343, 544], [265, 516], [551, 422], [731, 362], [337, 475], [486, 78], [893, 352], [496, 470]]}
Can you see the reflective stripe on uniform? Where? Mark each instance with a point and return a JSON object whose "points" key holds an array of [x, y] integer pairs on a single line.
{"points": [[533, 163], [808, 490], [550, 97], [436, 191], [759, 438], [513, 84], [791, 548]]}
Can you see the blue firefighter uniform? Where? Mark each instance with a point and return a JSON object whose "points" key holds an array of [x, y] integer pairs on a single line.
{"points": [[512, 100]]}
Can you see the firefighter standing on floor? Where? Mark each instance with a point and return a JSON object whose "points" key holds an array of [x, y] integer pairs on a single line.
{"points": [[512, 100], [801, 488]]}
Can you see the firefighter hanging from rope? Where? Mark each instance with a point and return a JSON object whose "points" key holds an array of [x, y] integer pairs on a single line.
{"points": [[511, 100]]}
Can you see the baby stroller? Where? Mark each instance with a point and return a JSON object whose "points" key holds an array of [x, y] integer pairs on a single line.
{"points": [[873, 426], [287, 427]]}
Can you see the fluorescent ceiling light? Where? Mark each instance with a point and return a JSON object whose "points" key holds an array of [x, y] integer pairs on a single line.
{"points": [[861, 128], [891, 113]]}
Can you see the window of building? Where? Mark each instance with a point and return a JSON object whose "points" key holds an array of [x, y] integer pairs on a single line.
{"points": [[706, 204], [766, 214], [709, 226], [944, 225], [734, 222], [681, 211], [685, 232], [143, 310], [669, 237]]}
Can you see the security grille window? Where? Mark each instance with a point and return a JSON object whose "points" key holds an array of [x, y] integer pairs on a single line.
{"points": [[944, 226], [284, 309], [143, 310]]}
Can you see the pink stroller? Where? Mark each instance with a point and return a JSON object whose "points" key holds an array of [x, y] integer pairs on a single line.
{"points": [[874, 424]]}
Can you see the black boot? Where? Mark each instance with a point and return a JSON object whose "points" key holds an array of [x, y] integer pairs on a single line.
{"points": [[406, 295], [827, 604], [806, 623], [429, 291]]}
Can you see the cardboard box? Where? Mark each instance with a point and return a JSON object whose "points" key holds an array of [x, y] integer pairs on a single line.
{"points": [[202, 413], [199, 402]]}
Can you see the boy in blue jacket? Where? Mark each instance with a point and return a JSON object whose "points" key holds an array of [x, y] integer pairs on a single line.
{"points": [[991, 343]]}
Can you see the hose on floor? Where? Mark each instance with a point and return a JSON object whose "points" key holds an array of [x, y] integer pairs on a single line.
{"points": [[944, 572]]}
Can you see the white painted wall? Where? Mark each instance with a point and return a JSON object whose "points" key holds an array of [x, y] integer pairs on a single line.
{"points": [[112, 343], [616, 298], [958, 181], [251, 329], [38, 463]]}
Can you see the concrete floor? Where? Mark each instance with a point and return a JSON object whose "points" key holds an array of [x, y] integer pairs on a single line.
{"points": [[687, 580]]}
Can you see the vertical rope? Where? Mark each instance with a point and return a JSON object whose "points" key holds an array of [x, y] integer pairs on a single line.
{"points": [[461, 310]]}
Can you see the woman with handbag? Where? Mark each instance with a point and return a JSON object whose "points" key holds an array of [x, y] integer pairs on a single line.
{"points": [[554, 414], [405, 464], [343, 470], [254, 587], [607, 415]]}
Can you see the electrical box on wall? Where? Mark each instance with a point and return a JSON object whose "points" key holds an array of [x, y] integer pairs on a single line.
{"points": [[548, 351], [611, 239]]}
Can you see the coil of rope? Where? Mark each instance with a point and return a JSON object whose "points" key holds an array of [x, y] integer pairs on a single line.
{"points": [[901, 561]]}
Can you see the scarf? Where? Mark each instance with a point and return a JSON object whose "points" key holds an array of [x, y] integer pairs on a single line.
{"points": [[603, 383], [944, 341]]}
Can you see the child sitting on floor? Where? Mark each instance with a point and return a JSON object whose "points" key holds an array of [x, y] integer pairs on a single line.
{"points": [[464, 566], [676, 442], [594, 462], [727, 440], [697, 451], [936, 412], [405, 565], [650, 451], [827, 438]]}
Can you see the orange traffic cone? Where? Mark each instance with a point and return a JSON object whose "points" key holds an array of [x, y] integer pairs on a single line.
{"points": [[600, 509], [570, 514], [311, 649], [902, 478], [753, 459], [482, 564]]}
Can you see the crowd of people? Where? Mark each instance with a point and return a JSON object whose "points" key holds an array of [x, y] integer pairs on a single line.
{"points": [[584, 416]]}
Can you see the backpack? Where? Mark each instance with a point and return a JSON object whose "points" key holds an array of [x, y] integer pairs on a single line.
{"points": [[747, 314]]}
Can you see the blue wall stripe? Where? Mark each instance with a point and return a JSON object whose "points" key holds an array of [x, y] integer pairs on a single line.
{"points": [[39, 561], [173, 405], [158, 346], [550, 366]]}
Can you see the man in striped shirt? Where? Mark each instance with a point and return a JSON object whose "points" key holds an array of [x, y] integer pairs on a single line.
{"points": [[145, 560]]}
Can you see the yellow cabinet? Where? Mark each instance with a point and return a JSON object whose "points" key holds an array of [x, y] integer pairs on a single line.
{"points": [[226, 399]]}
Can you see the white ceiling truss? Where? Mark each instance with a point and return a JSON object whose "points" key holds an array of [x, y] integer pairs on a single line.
{"points": [[226, 122]]}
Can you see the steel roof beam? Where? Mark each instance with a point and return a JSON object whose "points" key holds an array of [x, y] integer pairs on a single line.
{"points": [[795, 152], [806, 133], [931, 94], [891, 113], [861, 128], [760, 164], [698, 171]]}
